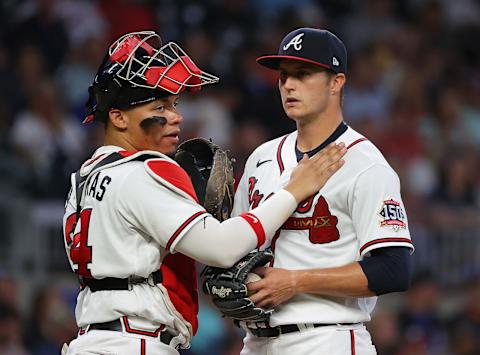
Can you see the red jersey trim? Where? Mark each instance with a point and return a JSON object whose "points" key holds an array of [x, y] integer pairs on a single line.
{"points": [[128, 329], [182, 227], [385, 240], [91, 161], [174, 174], [126, 153], [256, 225], [352, 341], [356, 142], [279, 154], [142, 347]]}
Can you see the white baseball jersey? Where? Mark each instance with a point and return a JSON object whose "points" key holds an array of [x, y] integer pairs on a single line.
{"points": [[133, 214], [359, 209]]}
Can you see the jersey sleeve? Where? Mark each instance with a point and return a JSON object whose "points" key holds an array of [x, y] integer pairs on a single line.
{"points": [[377, 210], [161, 202]]}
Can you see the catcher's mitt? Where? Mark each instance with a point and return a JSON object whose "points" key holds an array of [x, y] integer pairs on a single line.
{"points": [[211, 172], [228, 290]]}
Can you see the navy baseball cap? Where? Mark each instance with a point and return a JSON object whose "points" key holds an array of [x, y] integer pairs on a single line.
{"points": [[310, 45]]}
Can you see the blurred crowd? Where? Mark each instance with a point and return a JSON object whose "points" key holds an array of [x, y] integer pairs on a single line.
{"points": [[413, 88]]}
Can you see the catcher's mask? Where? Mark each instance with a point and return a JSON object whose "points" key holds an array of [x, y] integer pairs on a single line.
{"points": [[138, 69]]}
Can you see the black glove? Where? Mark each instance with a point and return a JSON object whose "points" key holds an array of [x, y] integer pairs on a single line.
{"points": [[228, 290], [211, 172]]}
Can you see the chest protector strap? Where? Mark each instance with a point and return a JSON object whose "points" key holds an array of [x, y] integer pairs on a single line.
{"points": [[108, 283], [177, 272]]}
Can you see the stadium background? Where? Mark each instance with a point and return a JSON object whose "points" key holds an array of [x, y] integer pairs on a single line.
{"points": [[413, 88]]}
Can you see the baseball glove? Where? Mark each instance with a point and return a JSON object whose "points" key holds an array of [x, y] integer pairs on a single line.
{"points": [[228, 290], [211, 172]]}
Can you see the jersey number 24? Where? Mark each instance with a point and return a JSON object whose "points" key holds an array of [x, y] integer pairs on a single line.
{"points": [[80, 252]]}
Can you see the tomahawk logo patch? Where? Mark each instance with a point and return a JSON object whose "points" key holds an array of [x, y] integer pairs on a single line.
{"points": [[392, 215]]}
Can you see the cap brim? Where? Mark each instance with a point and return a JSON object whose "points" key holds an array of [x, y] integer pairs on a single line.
{"points": [[273, 61]]}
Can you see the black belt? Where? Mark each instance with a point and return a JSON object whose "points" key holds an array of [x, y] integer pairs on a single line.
{"points": [[112, 283], [116, 325], [272, 332]]}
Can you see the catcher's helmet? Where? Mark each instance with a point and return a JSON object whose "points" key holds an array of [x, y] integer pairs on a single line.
{"points": [[137, 70]]}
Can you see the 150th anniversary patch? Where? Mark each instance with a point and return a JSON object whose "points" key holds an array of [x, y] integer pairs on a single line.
{"points": [[392, 215]]}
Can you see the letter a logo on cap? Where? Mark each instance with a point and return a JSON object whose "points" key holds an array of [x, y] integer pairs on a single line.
{"points": [[296, 42]]}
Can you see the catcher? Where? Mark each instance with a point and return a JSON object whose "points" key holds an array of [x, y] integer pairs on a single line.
{"points": [[134, 222]]}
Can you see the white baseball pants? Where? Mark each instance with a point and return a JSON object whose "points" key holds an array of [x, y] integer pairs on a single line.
{"points": [[329, 340], [105, 342]]}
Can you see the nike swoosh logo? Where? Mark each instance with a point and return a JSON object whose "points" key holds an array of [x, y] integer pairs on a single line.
{"points": [[260, 162]]}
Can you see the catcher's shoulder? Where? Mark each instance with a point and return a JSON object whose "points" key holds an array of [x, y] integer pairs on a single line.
{"points": [[167, 172]]}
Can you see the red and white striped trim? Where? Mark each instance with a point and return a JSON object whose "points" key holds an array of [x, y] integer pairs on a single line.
{"points": [[256, 226], [182, 228], [92, 160], [356, 142], [279, 154], [352, 341], [385, 240], [129, 329]]}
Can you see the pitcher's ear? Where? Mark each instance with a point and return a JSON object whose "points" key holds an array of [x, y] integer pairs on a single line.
{"points": [[337, 83]]}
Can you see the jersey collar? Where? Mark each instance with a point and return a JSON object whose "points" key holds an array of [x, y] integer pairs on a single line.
{"points": [[112, 155], [106, 149], [341, 129]]}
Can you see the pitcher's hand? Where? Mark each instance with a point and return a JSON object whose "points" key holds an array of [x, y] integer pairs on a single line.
{"points": [[276, 286]]}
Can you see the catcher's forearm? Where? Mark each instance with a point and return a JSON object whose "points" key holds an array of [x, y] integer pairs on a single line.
{"points": [[275, 211], [218, 244], [222, 244]]}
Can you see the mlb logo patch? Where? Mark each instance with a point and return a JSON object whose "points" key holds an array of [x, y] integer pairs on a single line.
{"points": [[392, 215]]}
